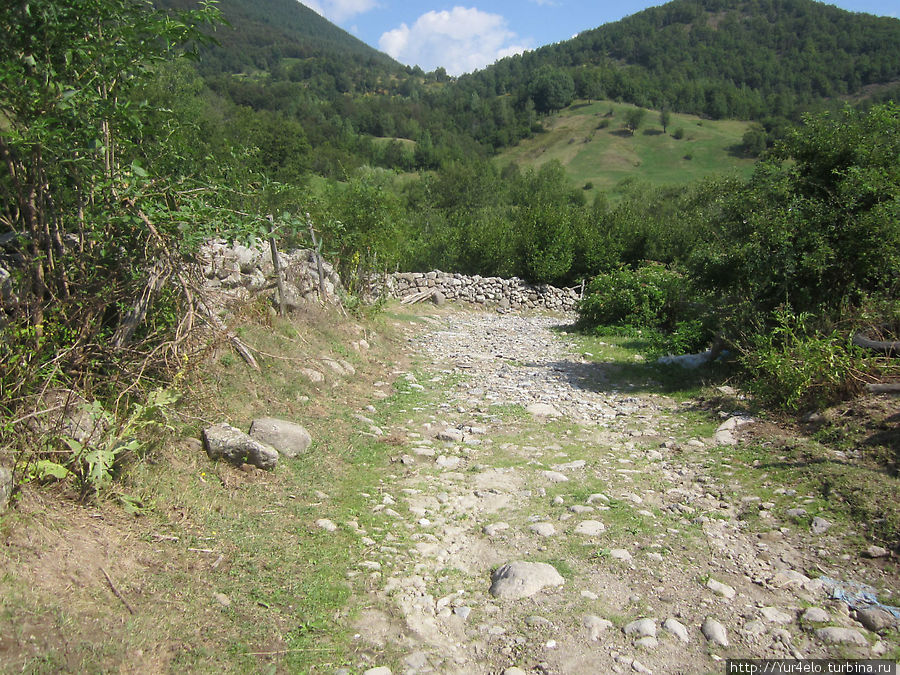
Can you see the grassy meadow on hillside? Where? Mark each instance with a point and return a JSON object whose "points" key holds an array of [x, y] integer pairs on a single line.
{"points": [[596, 148]]}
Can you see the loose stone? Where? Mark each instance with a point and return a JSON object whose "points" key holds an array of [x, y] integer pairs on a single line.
{"points": [[641, 628], [596, 626], [841, 636], [521, 579], [677, 629], [590, 528], [876, 619], [556, 477], [543, 529], [775, 615], [620, 554], [815, 615], [721, 589], [714, 632]]}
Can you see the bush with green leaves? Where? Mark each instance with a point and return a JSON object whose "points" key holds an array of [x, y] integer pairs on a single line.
{"points": [[641, 298], [818, 225], [794, 366]]}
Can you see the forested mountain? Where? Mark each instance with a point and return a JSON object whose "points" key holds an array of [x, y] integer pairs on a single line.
{"points": [[261, 33], [746, 59], [764, 60]]}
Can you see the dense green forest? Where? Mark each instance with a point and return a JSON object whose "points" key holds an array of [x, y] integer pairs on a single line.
{"points": [[120, 156]]}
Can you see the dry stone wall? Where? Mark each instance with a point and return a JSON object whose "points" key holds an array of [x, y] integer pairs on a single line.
{"points": [[239, 272], [493, 291]]}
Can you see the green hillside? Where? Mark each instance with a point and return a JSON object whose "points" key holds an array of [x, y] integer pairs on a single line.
{"points": [[261, 33], [597, 151]]}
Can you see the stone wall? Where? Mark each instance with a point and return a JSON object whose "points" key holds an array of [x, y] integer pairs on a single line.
{"points": [[239, 272], [492, 291]]}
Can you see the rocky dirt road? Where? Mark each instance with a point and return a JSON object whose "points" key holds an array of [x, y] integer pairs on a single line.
{"points": [[591, 533]]}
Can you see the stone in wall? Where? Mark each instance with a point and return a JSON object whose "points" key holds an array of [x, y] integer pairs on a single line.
{"points": [[494, 291]]}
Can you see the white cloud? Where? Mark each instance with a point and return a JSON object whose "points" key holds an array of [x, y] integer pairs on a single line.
{"points": [[337, 11], [461, 40]]}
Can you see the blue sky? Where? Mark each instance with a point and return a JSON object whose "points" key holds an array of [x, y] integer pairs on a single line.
{"points": [[464, 36]]}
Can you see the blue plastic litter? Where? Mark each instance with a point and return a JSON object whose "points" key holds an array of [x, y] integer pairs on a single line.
{"points": [[855, 595]]}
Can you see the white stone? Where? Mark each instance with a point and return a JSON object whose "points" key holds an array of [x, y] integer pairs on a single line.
{"points": [[596, 626], [521, 579], [841, 636], [714, 632], [720, 589], [641, 628], [590, 528], [543, 529], [677, 629], [543, 410], [775, 615]]}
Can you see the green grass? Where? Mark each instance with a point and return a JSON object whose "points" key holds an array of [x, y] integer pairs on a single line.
{"points": [[606, 157]]}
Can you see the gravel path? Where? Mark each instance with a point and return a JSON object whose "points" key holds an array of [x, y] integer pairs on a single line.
{"points": [[585, 535]]}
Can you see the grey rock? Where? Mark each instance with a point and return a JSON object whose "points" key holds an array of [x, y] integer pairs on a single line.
{"points": [[841, 636], [223, 441], [815, 615], [380, 670], [536, 621], [289, 438], [641, 628], [775, 615], [450, 435], [714, 632], [876, 619], [590, 528], [520, 579], [448, 461], [543, 410], [677, 629], [721, 589], [755, 627], [310, 375], [514, 671], [640, 668], [647, 642], [798, 513], [556, 476], [68, 414], [596, 626], [495, 528], [820, 525], [620, 554], [877, 552], [543, 529], [462, 612]]}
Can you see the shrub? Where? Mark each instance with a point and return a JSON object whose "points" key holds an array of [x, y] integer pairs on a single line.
{"points": [[646, 297], [793, 366]]}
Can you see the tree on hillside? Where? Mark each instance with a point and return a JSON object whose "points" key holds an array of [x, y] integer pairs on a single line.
{"points": [[551, 89], [633, 119], [665, 119]]}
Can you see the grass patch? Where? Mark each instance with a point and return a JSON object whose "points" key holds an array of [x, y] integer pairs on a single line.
{"points": [[606, 158]]}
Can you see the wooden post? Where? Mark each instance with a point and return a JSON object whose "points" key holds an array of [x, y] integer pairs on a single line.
{"points": [[276, 263], [317, 248]]}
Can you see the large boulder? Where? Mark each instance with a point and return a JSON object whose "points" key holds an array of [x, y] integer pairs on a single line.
{"points": [[520, 579], [289, 438], [223, 441]]}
